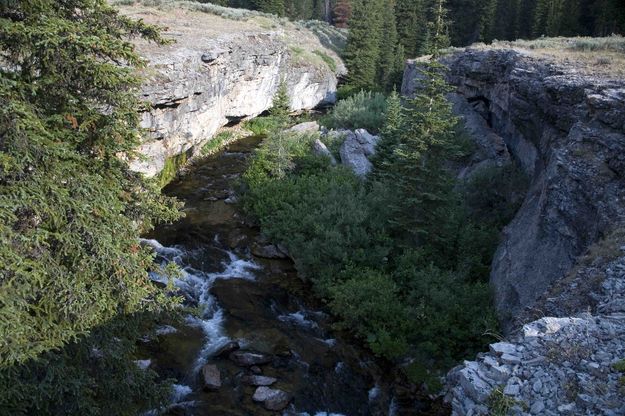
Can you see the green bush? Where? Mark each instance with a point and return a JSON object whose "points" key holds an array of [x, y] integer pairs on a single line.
{"points": [[263, 125], [368, 303], [364, 109]]}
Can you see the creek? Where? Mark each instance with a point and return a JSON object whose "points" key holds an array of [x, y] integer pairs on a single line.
{"points": [[261, 304]]}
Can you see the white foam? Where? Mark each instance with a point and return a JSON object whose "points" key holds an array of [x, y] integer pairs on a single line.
{"points": [[298, 318], [179, 392], [159, 248], [197, 284]]}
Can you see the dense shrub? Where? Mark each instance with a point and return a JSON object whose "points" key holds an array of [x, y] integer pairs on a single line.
{"points": [[364, 109], [432, 302]]}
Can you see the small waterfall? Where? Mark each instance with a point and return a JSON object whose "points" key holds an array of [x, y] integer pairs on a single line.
{"points": [[197, 284]]}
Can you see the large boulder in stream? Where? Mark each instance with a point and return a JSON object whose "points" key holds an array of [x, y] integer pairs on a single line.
{"points": [[272, 399]]}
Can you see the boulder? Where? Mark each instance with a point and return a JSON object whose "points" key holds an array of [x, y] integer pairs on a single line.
{"points": [[211, 377], [248, 358], [256, 380], [356, 150], [307, 127], [227, 348], [320, 149], [272, 399]]}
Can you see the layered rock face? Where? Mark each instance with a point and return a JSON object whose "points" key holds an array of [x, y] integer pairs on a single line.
{"points": [[219, 71], [557, 365], [567, 131]]}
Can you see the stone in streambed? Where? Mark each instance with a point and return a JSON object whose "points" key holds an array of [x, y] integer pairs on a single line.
{"points": [[255, 380], [227, 348], [248, 359], [272, 399], [211, 377]]}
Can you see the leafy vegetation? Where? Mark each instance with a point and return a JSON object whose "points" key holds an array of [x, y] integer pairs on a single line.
{"points": [[403, 257], [364, 109], [72, 211]]}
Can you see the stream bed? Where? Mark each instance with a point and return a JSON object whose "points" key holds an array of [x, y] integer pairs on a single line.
{"points": [[258, 305]]}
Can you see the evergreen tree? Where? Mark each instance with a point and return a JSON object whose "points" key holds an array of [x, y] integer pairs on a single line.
{"points": [[411, 26], [270, 6], [391, 132], [388, 72], [68, 110], [363, 44], [281, 104], [439, 28]]}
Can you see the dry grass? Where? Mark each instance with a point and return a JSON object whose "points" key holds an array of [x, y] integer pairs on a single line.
{"points": [[597, 56]]}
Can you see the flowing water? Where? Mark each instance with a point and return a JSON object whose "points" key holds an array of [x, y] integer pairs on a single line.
{"points": [[261, 304]]}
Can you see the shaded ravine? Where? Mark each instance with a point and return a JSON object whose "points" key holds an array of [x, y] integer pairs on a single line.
{"points": [[261, 304]]}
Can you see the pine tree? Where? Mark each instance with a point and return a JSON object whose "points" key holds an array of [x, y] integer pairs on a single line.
{"points": [[439, 28], [281, 104], [363, 45], [72, 210], [427, 140], [391, 133], [411, 26], [270, 6], [387, 61]]}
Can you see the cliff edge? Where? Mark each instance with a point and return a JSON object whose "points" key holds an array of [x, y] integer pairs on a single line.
{"points": [[224, 65]]}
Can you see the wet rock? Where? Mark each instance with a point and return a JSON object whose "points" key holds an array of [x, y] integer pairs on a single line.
{"points": [[211, 377], [256, 380], [269, 251], [248, 358], [235, 238], [272, 399], [227, 348], [256, 370]]}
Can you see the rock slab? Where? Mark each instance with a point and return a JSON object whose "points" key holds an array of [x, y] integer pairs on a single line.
{"points": [[272, 399]]}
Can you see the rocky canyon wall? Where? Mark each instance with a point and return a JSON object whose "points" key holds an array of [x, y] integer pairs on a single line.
{"points": [[219, 71], [566, 129]]}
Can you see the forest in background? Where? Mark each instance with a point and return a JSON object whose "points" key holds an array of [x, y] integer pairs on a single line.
{"points": [[384, 33], [471, 20]]}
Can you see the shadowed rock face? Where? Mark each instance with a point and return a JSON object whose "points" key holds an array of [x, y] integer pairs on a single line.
{"points": [[567, 131], [206, 80]]}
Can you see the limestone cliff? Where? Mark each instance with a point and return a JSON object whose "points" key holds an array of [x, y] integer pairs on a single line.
{"points": [[566, 129], [220, 70]]}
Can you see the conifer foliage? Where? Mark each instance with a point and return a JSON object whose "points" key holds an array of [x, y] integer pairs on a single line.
{"points": [[72, 211]]}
